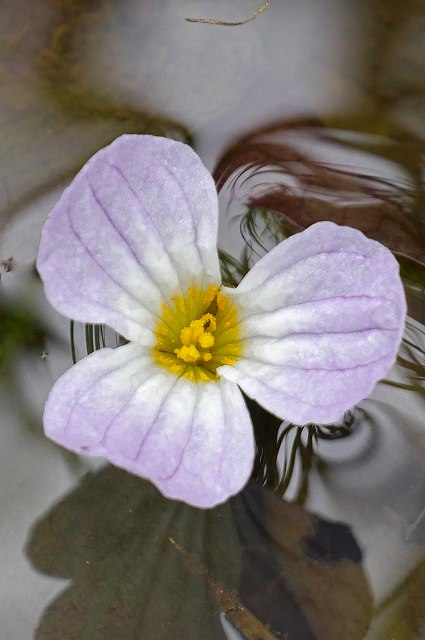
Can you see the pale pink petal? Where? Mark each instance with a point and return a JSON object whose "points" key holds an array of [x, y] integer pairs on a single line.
{"points": [[322, 318], [138, 223], [193, 441]]}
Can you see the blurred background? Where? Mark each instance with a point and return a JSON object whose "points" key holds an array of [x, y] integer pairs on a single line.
{"points": [[313, 110]]}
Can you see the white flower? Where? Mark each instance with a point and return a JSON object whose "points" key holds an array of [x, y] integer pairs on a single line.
{"points": [[307, 333]]}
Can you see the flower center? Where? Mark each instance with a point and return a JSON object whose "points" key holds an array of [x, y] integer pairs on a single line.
{"points": [[197, 333]]}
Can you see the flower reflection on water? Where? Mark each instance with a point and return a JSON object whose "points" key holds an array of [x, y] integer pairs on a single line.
{"points": [[307, 333]]}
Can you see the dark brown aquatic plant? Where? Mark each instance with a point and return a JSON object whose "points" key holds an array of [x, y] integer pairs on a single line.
{"points": [[279, 171]]}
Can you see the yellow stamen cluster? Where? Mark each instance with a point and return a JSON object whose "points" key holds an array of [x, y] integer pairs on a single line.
{"points": [[197, 333]]}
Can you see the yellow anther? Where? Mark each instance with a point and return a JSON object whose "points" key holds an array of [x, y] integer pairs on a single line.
{"points": [[186, 336], [188, 353], [206, 340], [197, 327], [197, 333]]}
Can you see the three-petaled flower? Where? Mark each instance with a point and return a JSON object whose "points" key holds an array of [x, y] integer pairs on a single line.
{"points": [[307, 333]]}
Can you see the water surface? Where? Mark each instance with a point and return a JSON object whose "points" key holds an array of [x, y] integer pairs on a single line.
{"points": [[314, 110]]}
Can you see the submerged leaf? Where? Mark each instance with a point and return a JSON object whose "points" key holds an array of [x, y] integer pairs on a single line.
{"points": [[144, 567]]}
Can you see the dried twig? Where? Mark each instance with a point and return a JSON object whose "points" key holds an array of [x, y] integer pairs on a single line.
{"points": [[223, 23], [240, 617]]}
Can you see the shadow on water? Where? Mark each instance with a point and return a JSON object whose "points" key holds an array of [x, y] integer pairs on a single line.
{"points": [[145, 567]]}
